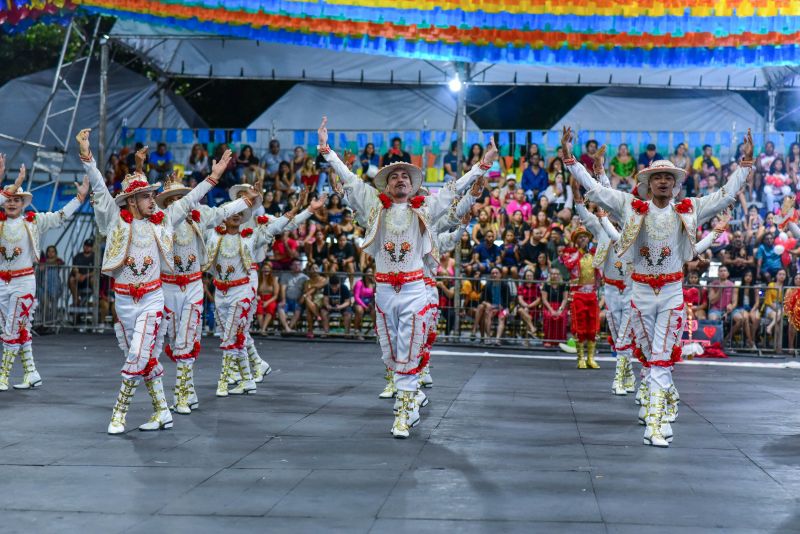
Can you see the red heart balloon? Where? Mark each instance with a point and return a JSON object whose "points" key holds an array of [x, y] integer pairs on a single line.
{"points": [[709, 331]]}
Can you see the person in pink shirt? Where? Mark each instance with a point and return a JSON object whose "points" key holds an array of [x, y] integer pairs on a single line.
{"points": [[519, 203], [364, 295]]}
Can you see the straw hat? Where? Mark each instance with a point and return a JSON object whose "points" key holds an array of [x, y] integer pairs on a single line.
{"points": [[132, 184], [26, 197], [659, 166], [171, 188], [382, 178], [580, 231]]}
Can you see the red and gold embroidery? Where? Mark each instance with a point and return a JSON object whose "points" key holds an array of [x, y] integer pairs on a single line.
{"points": [[645, 253], [17, 251], [665, 253], [179, 263], [228, 272], [130, 263]]}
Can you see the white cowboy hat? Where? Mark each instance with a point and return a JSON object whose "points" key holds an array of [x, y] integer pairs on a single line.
{"points": [[382, 178], [234, 190], [27, 198], [132, 184], [659, 166], [171, 189]]}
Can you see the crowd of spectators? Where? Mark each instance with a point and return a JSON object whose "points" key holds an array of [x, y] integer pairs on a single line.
{"points": [[511, 282]]}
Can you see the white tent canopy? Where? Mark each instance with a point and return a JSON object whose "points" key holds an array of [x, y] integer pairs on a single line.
{"points": [[132, 101], [356, 108], [635, 109], [179, 52]]}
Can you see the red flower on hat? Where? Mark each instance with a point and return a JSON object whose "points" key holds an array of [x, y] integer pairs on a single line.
{"points": [[196, 216], [247, 232], [417, 201], [684, 206], [30, 216], [262, 219], [640, 206], [126, 216], [385, 200], [157, 217], [134, 185]]}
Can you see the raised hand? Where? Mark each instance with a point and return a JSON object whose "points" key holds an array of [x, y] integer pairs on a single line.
{"points": [[303, 198], [322, 132], [20, 178], [599, 159], [83, 141], [566, 141], [747, 146], [318, 203], [83, 189], [141, 158], [576, 191], [491, 152], [218, 167]]}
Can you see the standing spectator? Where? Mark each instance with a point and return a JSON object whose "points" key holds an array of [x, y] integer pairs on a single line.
{"points": [[272, 159], [622, 168], [269, 292], [369, 158], [161, 163], [50, 270], [292, 289], [738, 257], [197, 165], [721, 296], [284, 252], [529, 302], [451, 163], [555, 303], [534, 179], [336, 300], [746, 316], [396, 153], [245, 161], [587, 158], [495, 302], [364, 296], [773, 309], [768, 262], [312, 298], [81, 277], [647, 157]]}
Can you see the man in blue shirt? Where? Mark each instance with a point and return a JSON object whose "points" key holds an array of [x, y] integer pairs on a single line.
{"points": [[451, 163], [649, 156], [160, 163], [534, 179], [768, 261], [486, 254]]}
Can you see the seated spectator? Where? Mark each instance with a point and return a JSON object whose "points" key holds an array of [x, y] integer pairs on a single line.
{"points": [[521, 229], [80, 279], [508, 191], [335, 213], [529, 302], [269, 292], [197, 166], [695, 295], [555, 306], [534, 179], [284, 252], [768, 261], [529, 250], [622, 168], [273, 158], [519, 204], [318, 251], [475, 156], [343, 256], [312, 298], [509, 255], [396, 153], [765, 159], [209, 309], [773, 309], [130, 158], [298, 161], [284, 181], [746, 316], [559, 198], [587, 158], [228, 177], [336, 300], [50, 276], [556, 168], [680, 158], [446, 288], [161, 163], [495, 302], [450, 164], [647, 157], [721, 296], [270, 205], [292, 289], [793, 161], [738, 257], [777, 185], [485, 255], [244, 162], [364, 297], [706, 163], [369, 158]]}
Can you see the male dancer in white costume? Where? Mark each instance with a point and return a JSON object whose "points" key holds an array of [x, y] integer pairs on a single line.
{"points": [[20, 234], [398, 236], [657, 308]]}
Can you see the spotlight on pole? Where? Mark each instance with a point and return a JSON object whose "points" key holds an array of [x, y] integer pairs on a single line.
{"points": [[455, 84]]}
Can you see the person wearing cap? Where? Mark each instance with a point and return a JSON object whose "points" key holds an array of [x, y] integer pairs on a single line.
{"points": [[183, 287], [20, 234], [661, 233], [231, 250], [139, 247], [399, 237]]}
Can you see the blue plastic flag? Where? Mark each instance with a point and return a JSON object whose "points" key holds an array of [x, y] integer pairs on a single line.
{"points": [[299, 138], [203, 135], [236, 136], [172, 135], [187, 136], [219, 136], [252, 135]]}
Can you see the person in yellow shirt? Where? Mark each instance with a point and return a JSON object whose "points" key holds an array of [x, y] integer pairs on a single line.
{"points": [[706, 163]]}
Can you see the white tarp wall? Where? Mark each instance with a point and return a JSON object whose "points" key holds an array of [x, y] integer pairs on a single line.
{"points": [[132, 100], [355, 109]]}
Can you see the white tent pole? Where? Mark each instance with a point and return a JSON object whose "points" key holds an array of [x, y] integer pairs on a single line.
{"points": [[103, 122], [772, 95], [461, 125]]}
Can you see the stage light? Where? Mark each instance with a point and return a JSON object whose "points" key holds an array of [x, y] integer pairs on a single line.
{"points": [[455, 84]]}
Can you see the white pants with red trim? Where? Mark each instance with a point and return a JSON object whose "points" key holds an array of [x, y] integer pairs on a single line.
{"points": [[433, 314], [618, 317], [402, 328], [657, 321], [17, 306], [233, 307], [137, 329], [183, 311], [254, 292]]}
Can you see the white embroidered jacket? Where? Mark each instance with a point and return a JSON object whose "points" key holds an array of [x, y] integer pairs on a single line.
{"points": [[109, 222], [41, 222], [621, 206], [364, 199]]}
